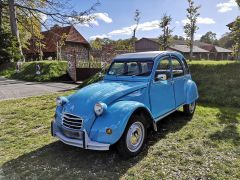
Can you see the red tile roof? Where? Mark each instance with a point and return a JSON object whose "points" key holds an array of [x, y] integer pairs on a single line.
{"points": [[54, 35]]}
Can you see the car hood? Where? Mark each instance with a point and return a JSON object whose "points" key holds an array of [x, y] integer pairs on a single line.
{"points": [[82, 102]]}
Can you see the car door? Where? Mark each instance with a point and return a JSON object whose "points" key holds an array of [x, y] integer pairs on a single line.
{"points": [[161, 90], [178, 80]]}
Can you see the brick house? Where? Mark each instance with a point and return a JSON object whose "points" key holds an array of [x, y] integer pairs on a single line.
{"points": [[73, 44]]}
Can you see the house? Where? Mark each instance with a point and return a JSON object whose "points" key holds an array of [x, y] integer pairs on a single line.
{"points": [[200, 50], [60, 42]]}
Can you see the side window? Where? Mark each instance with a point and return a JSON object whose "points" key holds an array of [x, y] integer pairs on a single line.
{"points": [[164, 67], [177, 68]]}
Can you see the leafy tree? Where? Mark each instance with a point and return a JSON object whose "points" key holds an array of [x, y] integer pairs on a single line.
{"points": [[209, 37], [238, 2], [236, 38], [164, 39], [176, 37], [8, 47], [125, 44], [226, 41], [57, 11], [191, 27]]}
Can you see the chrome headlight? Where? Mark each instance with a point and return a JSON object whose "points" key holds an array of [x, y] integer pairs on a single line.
{"points": [[61, 101], [99, 108]]}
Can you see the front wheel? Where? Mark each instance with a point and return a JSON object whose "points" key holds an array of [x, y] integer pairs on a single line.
{"points": [[134, 137], [189, 109]]}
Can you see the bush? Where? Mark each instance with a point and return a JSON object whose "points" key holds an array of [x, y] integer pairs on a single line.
{"points": [[50, 71], [218, 81]]}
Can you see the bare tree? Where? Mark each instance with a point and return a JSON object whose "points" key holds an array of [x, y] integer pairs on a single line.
{"points": [[191, 27], [136, 20], [164, 39]]}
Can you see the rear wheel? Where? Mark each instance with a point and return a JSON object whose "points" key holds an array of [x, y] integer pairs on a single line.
{"points": [[134, 137], [189, 109]]}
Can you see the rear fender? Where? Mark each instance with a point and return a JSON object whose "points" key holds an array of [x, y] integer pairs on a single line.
{"points": [[191, 91]]}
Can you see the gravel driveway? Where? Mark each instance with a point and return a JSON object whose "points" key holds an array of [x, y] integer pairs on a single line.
{"points": [[12, 89]]}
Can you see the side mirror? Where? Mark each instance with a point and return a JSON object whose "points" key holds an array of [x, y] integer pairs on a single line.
{"points": [[161, 77]]}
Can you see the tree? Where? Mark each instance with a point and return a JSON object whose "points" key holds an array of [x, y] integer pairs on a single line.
{"points": [[226, 41], [164, 39], [209, 37], [236, 38], [191, 27], [57, 11], [176, 37], [8, 47], [238, 2], [136, 20]]}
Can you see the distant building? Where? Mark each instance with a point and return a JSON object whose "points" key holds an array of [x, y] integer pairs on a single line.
{"points": [[74, 44], [200, 50]]}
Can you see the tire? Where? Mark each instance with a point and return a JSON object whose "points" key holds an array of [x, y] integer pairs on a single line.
{"points": [[134, 137], [189, 109]]}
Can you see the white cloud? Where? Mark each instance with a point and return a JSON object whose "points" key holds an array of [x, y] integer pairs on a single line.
{"points": [[146, 26], [201, 20], [43, 17], [104, 17], [99, 36], [225, 7], [96, 17]]}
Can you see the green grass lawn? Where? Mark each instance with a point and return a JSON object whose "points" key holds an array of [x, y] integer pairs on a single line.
{"points": [[50, 71], [207, 146]]}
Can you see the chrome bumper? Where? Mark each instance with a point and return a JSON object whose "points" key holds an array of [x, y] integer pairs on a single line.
{"points": [[85, 143]]}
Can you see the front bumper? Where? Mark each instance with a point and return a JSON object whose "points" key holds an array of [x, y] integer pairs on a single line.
{"points": [[85, 142]]}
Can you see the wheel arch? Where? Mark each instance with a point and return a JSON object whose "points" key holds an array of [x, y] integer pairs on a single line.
{"points": [[117, 118], [191, 91]]}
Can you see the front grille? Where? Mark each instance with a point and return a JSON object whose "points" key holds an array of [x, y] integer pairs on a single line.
{"points": [[72, 121]]}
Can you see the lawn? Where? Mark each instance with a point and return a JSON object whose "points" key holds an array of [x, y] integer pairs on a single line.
{"points": [[207, 146], [50, 71], [204, 147]]}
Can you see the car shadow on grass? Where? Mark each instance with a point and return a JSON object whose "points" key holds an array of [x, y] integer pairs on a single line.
{"points": [[59, 161]]}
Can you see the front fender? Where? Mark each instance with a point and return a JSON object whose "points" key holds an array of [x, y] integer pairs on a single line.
{"points": [[116, 117], [191, 91]]}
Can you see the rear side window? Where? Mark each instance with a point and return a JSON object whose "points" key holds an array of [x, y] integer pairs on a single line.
{"points": [[177, 68], [186, 67]]}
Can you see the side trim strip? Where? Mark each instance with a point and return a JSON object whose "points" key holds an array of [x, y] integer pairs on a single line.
{"points": [[168, 113]]}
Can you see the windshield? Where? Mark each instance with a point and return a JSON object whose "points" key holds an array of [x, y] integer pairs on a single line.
{"points": [[131, 68]]}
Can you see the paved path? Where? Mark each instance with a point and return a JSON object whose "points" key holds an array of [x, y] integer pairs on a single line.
{"points": [[12, 89]]}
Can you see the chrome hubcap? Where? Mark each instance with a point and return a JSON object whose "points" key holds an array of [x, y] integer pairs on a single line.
{"points": [[135, 136], [192, 107]]}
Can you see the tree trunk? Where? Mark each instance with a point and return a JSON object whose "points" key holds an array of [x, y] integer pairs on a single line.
{"points": [[13, 24], [191, 46], [1, 14]]}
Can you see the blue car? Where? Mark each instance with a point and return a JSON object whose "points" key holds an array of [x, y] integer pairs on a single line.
{"points": [[138, 90]]}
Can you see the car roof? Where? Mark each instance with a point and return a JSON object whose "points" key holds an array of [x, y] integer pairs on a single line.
{"points": [[144, 55]]}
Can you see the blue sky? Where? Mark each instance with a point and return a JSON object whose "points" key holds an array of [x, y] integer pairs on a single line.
{"points": [[114, 18]]}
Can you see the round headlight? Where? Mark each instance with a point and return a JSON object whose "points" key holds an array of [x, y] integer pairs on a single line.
{"points": [[99, 108], [59, 101]]}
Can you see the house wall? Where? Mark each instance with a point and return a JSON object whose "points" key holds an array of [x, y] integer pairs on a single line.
{"points": [[78, 50], [146, 45]]}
